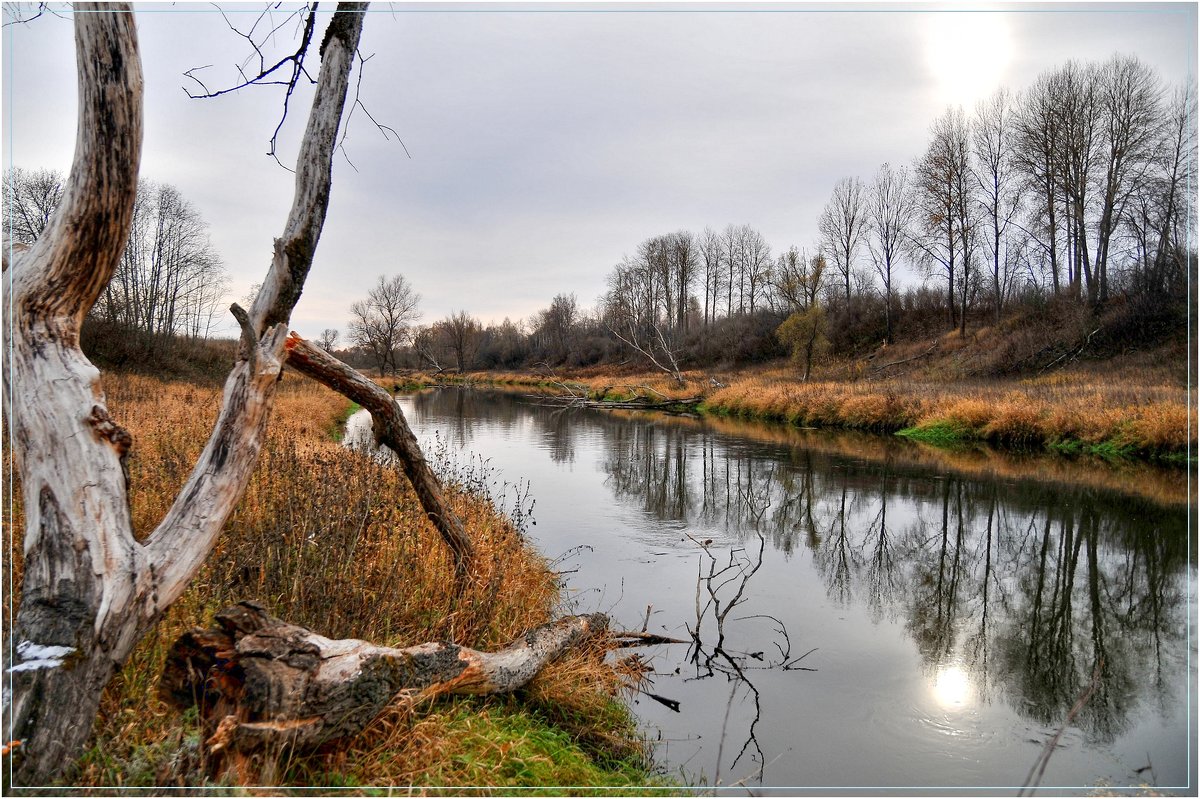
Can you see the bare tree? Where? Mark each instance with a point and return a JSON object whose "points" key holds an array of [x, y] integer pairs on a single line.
{"points": [[553, 327], [843, 225], [733, 258], [998, 182], [90, 590], [757, 266], [711, 253], [942, 178], [328, 339], [1037, 143], [1131, 114], [889, 216], [683, 264], [170, 278], [30, 197], [1077, 109], [382, 322], [461, 332], [1170, 216]]}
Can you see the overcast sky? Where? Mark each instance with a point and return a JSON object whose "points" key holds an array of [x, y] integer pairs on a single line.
{"points": [[547, 143]]}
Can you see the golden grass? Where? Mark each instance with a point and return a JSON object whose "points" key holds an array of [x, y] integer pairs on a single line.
{"points": [[329, 539], [1022, 414], [1141, 419], [1128, 410]]}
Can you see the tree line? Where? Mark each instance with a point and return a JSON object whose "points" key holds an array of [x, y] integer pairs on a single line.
{"points": [[1074, 190], [170, 282]]}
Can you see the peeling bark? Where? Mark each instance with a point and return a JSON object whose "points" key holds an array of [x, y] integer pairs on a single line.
{"points": [[391, 430], [262, 683], [90, 590]]}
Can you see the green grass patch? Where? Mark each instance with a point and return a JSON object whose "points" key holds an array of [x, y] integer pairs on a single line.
{"points": [[506, 744], [337, 427], [941, 433], [1178, 458], [1110, 449]]}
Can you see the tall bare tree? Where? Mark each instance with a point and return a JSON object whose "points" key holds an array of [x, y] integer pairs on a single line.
{"points": [[1132, 119], [758, 267], [889, 217], [843, 225], [328, 339], [169, 276], [998, 183], [942, 178], [1037, 146], [711, 252], [382, 323], [1078, 112], [89, 589]]}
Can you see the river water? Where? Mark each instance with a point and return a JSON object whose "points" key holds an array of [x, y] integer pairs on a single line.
{"points": [[866, 614]]}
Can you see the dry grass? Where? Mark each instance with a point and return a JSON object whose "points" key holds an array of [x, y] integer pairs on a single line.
{"points": [[329, 539], [1127, 410], [1128, 417]]}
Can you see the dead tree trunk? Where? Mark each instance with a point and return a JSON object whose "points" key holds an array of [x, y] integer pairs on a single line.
{"points": [[90, 590], [264, 684], [392, 430]]}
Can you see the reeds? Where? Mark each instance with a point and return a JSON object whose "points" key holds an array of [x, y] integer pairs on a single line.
{"points": [[329, 539], [1149, 421]]}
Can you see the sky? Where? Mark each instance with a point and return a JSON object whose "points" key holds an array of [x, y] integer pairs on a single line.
{"points": [[542, 143]]}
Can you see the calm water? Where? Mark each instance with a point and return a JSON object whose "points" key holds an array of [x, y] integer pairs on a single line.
{"points": [[868, 615]]}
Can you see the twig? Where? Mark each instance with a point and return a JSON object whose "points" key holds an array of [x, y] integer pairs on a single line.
{"points": [[628, 638], [929, 351], [1039, 766]]}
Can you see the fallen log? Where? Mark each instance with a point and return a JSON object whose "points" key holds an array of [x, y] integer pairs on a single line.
{"points": [[924, 354], [637, 404], [264, 684]]}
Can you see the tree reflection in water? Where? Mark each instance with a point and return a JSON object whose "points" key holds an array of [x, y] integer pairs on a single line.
{"points": [[1022, 588], [1010, 589]]}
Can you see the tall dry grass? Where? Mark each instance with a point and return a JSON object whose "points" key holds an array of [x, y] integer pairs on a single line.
{"points": [[329, 539], [1129, 417]]}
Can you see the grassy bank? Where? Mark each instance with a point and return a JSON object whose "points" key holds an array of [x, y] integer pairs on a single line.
{"points": [[1111, 409], [1069, 415], [329, 539]]}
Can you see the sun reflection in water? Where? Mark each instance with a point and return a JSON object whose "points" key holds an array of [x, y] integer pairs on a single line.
{"points": [[952, 687]]}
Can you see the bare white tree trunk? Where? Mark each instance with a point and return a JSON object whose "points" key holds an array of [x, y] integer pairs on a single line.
{"points": [[89, 589]]}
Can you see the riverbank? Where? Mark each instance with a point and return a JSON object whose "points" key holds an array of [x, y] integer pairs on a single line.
{"points": [[329, 539], [1114, 409]]}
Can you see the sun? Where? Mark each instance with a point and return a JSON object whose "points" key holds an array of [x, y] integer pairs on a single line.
{"points": [[952, 687], [968, 54]]}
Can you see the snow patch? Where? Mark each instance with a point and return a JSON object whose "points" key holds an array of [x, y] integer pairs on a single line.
{"points": [[40, 656]]}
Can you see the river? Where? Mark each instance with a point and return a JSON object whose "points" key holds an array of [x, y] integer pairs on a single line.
{"points": [[868, 614]]}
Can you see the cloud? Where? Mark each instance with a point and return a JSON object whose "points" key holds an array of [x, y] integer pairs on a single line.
{"points": [[547, 144]]}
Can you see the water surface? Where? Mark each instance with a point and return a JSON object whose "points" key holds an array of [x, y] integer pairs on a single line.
{"points": [[865, 615]]}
